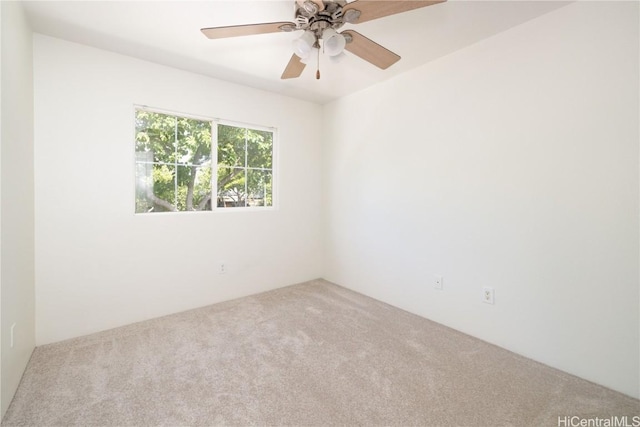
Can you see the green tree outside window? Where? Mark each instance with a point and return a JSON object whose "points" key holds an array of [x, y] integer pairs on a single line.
{"points": [[174, 164]]}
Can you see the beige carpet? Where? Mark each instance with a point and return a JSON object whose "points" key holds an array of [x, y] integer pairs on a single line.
{"points": [[310, 354]]}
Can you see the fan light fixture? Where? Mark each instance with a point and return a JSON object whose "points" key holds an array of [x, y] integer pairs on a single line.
{"points": [[334, 42], [320, 20], [304, 45], [338, 58], [307, 60]]}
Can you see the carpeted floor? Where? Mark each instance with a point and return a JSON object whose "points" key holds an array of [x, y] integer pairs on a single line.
{"points": [[311, 354]]}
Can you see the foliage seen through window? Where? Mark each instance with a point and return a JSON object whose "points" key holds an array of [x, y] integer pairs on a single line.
{"points": [[174, 164]]}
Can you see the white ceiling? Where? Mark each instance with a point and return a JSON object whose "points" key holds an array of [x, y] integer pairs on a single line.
{"points": [[168, 32]]}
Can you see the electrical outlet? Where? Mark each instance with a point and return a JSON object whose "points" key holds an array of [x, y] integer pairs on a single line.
{"points": [[437, 284], [487, 295], [222, 268]]}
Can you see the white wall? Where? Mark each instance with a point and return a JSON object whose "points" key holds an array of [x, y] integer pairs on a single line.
{"points": [[17, 242], [513, 164], [100, 266]]}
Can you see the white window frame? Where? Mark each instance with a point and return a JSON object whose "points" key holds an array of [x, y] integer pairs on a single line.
{"points": [[275, 199]]}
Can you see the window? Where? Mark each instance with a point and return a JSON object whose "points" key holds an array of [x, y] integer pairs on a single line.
{"points": [[181, 162]]}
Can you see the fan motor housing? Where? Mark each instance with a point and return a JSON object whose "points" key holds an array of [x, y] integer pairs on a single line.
{"points": [[309, 18]]}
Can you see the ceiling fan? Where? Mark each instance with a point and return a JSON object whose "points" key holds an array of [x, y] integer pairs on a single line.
{"points": [[320, 20]]}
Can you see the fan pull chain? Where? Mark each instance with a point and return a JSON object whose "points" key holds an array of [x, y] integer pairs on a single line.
{"points": [[318, 69]]}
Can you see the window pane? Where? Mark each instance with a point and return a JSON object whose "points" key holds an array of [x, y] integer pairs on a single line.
{"points": [[231, 187], [155, 133], [259, 149], [144, 181], [164, 192], [231, 145], [202, 189], [174, 170], [194, 141], [155, 187], [259, 188], [194, 188]]}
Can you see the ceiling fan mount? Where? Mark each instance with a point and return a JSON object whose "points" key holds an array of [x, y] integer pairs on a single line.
{"points": [[321, 20], [309, 16]]}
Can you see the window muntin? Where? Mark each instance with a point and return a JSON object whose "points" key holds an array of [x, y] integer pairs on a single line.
{"points": [[174, 164]]}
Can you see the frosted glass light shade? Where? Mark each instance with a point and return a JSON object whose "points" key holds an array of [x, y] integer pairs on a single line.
{"points": [[334, 42], [310, 57], [336, 59], [304, 45]]}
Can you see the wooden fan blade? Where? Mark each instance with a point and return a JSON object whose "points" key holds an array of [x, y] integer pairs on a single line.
{"points": [[374, 9], [243, 30], [294, 68], [370, 51]]}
